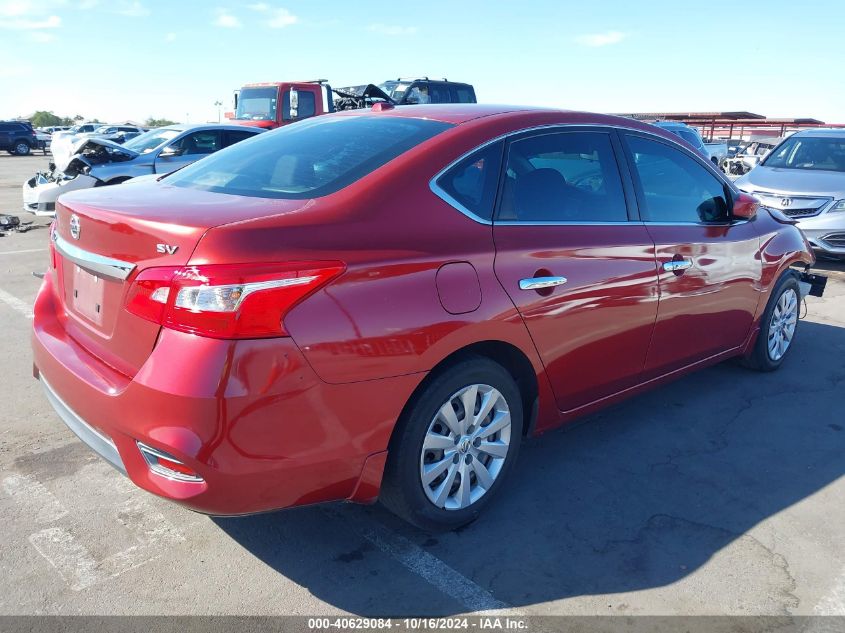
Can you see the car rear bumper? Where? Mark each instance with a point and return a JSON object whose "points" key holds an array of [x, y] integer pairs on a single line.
{"points": [[96, 441], [250, 417]]}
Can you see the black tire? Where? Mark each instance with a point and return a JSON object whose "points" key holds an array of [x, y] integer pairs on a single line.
{"points": [[21, 147], [760, 358], [402, 488]]}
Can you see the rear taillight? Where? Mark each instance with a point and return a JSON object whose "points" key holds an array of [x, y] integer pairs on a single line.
{"points": [[227, 301]]}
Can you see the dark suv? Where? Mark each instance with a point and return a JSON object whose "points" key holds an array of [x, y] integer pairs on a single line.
{"points": [[18, 137], [416, 90]]}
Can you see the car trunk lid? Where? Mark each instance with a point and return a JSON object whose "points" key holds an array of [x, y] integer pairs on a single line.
{"points": [[100, 251]]}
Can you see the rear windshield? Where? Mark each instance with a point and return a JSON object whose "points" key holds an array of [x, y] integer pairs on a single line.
{"points": [[308, 159]]}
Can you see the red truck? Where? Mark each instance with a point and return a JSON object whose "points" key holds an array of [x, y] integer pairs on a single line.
{"points": [[273, 104]]}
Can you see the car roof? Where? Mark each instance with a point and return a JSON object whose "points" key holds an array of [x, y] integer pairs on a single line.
{"points": [[184, 127], [459, 113], [826, 132], [670, 124]]}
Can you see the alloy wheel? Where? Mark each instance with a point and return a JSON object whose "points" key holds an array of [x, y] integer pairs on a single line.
{"points": [[782, 324], [465, 447]]}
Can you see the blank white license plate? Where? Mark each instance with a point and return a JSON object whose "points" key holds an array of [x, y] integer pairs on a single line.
{"points": [[88, 295]]}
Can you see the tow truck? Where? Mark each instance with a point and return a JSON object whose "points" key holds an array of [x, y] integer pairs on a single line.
{"points": [[273, 104]]}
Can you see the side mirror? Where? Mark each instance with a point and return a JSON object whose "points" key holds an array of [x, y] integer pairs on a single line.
{"points": [[745, 207], [294, 103], [171, 151]]}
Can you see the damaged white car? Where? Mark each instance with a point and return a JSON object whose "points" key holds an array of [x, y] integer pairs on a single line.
{"points": [[95, 162]]}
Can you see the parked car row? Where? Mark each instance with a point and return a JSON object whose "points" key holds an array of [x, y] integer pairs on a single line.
{"points": [[94, 161], [381, 304], [749, 156]]}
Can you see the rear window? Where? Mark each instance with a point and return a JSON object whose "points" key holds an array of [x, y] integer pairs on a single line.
{"points": [[309, 159]]}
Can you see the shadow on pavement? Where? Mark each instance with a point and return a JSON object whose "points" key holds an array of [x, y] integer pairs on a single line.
{"points": [[640, 497]]}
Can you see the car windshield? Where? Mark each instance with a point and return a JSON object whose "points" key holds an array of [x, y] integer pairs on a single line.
{"points": [[394, 89], [257, 104], [310, 159], [809, 152], [102, 129], [148, 141]]}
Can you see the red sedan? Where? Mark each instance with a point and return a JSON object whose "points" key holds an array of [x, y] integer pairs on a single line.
{"points": [[381, 305]]}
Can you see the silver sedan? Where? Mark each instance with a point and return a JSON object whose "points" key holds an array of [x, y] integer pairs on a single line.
{"points": [[804, 177]]}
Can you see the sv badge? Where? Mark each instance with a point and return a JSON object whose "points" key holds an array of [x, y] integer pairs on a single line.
{"points": [[166, 249]]}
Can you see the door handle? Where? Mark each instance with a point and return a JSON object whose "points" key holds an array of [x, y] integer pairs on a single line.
{"points": [[677, 265], [536, 283]]}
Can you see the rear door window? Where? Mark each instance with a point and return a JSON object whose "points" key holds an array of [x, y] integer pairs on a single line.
{"points": [[313, 158], [439, 93], [563, 177], [236, 136], [462, 94], [205, 142], [674, 187]]}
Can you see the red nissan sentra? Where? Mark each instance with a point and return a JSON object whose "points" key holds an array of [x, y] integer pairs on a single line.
{"points": [[382, 304]]}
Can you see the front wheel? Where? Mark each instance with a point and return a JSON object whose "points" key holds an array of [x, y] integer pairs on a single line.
{"points": [[777, 326], [454, 446]]}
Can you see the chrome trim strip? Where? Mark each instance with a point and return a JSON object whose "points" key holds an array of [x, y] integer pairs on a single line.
{"points": [[537, 283], [99, 264], [565, 223], [96, 441], [732, 222], [440, 193]]}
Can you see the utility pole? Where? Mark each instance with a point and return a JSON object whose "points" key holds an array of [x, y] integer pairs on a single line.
{"points": [[218, 104]]}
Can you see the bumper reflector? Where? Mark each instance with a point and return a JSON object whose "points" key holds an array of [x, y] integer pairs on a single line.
{"points": [[166, 465]]}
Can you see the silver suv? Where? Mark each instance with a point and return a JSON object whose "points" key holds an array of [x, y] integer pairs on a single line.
{"points": [[804, 178]]}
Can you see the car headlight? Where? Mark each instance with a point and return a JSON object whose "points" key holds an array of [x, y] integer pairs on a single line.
{"points": [[839, 205]]}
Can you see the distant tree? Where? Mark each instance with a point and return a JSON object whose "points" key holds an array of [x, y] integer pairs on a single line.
{"points": [[152, 122], [44, 118]]}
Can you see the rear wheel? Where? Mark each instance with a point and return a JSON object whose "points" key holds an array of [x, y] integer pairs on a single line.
{"points": [[22, 148], [454, 446], [777, 326]]}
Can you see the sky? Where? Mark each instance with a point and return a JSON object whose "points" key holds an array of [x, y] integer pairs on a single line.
{"points": [[133, 59]]}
